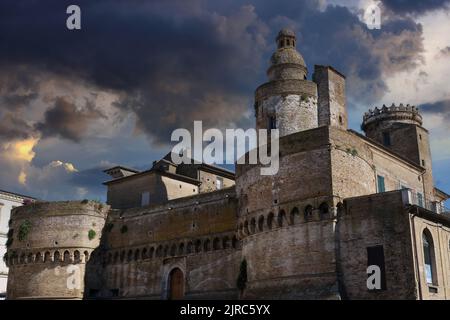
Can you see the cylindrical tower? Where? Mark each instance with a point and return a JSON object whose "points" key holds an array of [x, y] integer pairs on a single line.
{"points": [[399, 128], [377, 121], [49, 245], [288, 101]]}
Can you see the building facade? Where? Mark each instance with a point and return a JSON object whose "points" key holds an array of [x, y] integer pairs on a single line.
{"points": [[341, 204], [8, 201]]}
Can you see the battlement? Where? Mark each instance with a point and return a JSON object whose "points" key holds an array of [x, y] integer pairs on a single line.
{"points": [[400, 113]]}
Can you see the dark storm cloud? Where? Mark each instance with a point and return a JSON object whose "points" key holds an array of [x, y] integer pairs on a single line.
{"points": [[13, 127], [172, 63], [441, 108], [67, 121], [415, 6]]}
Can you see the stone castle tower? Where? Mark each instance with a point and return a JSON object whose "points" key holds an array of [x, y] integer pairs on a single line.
{"points": [[399, 128], [292, 103]]}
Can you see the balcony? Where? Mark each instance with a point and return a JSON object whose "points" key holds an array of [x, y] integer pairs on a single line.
{"points": [[412, 198]]}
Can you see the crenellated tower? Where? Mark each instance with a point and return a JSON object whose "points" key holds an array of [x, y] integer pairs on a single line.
{"points": [[399, 128]]}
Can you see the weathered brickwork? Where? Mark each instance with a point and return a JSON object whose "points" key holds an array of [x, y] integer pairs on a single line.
{"points": [[59, 239], [339, 201]]}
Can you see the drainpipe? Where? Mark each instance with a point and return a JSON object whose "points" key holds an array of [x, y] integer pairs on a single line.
{"points": [[414, 243]]}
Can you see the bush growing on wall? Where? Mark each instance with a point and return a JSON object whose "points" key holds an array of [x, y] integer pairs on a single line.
{"points": [[24, 229], [91, 234]]}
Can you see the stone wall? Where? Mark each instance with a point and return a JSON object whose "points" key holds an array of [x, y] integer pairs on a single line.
{"points": [[356, 162], [368, 221], [195, 234]]}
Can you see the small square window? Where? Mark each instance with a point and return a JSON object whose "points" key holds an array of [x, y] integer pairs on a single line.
{"points": [[386, 138]]}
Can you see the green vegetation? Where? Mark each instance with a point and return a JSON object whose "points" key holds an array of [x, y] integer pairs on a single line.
{"points": [[24, 229], [242, 278], [353, 151], [91, 234]]}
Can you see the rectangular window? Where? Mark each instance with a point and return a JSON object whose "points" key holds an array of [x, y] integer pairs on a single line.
{"points": [[386, 139], [272, 123], [419, 199], [145, 199], [219, 183], [380, 182], [375, 256]]}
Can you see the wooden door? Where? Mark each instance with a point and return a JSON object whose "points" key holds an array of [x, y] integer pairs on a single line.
{"points": [[176, 284]]}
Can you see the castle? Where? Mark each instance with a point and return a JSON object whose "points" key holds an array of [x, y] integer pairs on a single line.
{"points": [[340, 202]]}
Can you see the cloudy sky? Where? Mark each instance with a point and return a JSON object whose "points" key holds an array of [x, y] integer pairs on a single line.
{"points": [[73, 103]]}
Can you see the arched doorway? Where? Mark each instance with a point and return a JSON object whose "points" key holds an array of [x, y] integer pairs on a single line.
{"points": [[176, 284]]}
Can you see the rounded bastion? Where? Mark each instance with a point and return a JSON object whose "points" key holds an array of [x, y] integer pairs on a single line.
{"points": [[49, 245]]}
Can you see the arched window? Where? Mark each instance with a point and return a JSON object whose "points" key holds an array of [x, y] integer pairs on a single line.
{"points": [[324, 210], [47, 256], [66, 256], [340, 209], [293, 216], [151, 252], [308, 212], [130, 255], [173, 250], [226, 242], [206, 245], [136, 255], [198, 246], [234, 242], [166, 251], [76, 256], [38, 257], [56, 256], [181, 249], [270, 220], [246, 230], [86, 256], [253, 225], [216, 244], [22, 258], [144, 254], [30, 258], [122, 256], [281, 217], [189, 247], [429, 257], [261, 224]]}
